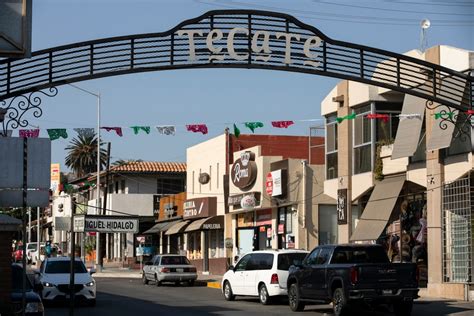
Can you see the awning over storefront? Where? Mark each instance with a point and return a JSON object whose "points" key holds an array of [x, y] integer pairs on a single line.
{"points": [[177, 228], [160, 227], [409, 128], [378, 210], [214, 222]]}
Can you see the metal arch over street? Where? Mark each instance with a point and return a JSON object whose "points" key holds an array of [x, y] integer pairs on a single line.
{"points": [[232, 39]]}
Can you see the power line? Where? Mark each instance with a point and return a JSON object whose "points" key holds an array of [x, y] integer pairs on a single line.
{"points": [[389, 10], [339, 17]]}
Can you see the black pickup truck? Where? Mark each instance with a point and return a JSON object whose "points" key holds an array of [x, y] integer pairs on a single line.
{"points": [[350, 276]]}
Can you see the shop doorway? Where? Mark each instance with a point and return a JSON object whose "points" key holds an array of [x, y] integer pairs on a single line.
{"points": [[245, 239]]}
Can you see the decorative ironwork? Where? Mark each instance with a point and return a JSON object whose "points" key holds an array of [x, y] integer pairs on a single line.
{"points": [[235, 39], [18, 106], [462, 120]]}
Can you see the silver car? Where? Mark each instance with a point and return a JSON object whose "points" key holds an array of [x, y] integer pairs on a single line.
{"points": [[169, 268]]}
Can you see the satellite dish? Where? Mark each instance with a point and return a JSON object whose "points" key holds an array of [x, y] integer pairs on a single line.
{"points": [[425, 23]]}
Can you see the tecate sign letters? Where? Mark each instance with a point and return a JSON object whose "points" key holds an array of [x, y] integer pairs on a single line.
{"points": [[259, 42], [244, 171]]}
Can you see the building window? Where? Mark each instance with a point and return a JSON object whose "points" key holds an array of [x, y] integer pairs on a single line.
{"points": [[331, 147], [327, 224], [116, 187], [166, 186], [362, 128], [387, 130]]}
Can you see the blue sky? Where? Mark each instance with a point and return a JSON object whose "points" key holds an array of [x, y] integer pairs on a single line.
{"points": [[222, 96]]}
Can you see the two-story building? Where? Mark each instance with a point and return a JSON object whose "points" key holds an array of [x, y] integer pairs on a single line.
{"points": [[403, 176]]}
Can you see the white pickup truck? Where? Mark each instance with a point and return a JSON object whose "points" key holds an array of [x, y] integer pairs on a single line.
{"points": [[169, 268]]}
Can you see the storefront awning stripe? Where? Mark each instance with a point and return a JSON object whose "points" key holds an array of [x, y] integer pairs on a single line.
{"points": [[158, 228], [217, 222], [177, 228], [408, 133], [378, 210], [196, 225]]}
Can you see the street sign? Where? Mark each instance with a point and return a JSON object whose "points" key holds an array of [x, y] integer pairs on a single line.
{"points": [[106, 224], [62, 223]]}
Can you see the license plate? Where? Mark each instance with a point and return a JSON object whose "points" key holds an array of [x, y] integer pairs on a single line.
{"points": [[179, 270], [387, 292]]}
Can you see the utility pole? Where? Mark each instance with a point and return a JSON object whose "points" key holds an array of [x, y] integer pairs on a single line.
{"points": [[103, 240], [72, 258], [29, 225], [38, 235]]}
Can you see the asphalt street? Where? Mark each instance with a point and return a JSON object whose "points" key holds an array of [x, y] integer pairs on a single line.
{"points": [[119, 297]]}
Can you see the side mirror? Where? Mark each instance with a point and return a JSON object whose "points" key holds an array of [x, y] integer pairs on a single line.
{"points": [[92, 271], [148, 263], [231, 267]]}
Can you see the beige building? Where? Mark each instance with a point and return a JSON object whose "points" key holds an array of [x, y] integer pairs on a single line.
{"points": [[403, 177]]}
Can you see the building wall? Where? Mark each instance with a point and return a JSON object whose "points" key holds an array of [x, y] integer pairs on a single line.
{"points": [[133, 204], [141, 184], [207, 157]]}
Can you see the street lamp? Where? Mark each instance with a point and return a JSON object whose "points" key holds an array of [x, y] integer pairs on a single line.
{"points": [[97, 95]]}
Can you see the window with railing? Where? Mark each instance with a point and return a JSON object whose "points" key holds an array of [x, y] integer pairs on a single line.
{"points": [[362, 140], [331, 147]]}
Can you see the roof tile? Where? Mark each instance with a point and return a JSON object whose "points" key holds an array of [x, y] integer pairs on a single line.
{"points": [[150, 166]]}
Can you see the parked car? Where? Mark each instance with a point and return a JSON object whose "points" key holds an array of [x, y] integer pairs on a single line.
{"points": [[34, 305], [169, 268], [260, 273], [53, 280], [349, 275]]}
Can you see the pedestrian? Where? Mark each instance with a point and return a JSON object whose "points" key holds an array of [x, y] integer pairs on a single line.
{"points": [[47, 249]]}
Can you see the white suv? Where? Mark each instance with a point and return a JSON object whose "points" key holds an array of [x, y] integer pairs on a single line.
{"points": [[260, 273]]}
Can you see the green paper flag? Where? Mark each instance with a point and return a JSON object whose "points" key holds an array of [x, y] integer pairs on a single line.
{"points": [[444, 114], [56, 133], [236, 131], [347, 117], [253, 125], [136, 129]]}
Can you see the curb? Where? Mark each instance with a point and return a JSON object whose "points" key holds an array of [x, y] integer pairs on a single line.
{"points": [[214, 285]]}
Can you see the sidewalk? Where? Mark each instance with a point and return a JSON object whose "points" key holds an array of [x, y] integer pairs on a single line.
{"points": [[213, 281]]}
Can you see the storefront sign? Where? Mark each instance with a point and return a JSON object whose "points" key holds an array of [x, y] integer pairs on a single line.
{"points": [[105, 224], [235, 200], [281, 229], [212, 226], [244, 171], [269, 233], [248, 202], [245, 219], [264, 217], [275, 182], [342, 206], [200, 207]]}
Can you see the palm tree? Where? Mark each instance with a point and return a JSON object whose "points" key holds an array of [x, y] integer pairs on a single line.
{"points": [[121, 162], [82, 154]]}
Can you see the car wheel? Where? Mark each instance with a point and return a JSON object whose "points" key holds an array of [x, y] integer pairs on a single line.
{"points": [[228, 295], [403, 308], [144, 279], [339, 302], [294, 299], [157, 282], [263, 295], [191, 282]]}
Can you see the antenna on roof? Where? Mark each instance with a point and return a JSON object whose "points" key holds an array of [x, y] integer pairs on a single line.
{"points": [[425, 24]]}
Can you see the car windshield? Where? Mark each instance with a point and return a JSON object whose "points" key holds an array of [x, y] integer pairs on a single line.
{"points": [[359, 255], [17, 280], [285, 260], [170, 260], [63, 266]]}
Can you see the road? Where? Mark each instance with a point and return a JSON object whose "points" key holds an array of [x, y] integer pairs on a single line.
{"points": [[123, 297]]}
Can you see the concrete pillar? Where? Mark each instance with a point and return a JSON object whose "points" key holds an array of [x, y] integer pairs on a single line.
{"points": [[435, 178], [107, 246], [344, 157]]}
